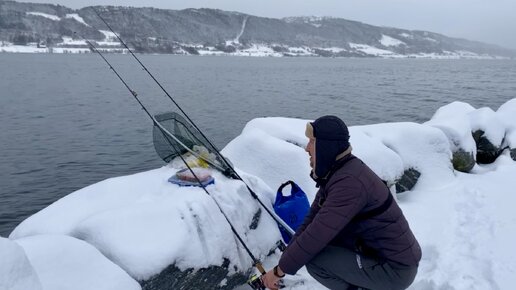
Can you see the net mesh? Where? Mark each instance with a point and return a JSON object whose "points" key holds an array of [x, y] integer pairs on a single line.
{"points": [[168, 148]]}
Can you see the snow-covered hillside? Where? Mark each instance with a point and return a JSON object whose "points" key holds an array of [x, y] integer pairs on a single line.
{"points": [[212, 31]]}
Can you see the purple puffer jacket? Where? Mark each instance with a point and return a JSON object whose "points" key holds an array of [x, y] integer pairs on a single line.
{"points": [[352, 189]]}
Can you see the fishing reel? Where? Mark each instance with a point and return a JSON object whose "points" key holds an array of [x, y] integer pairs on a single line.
{"points": [[256, 283]]}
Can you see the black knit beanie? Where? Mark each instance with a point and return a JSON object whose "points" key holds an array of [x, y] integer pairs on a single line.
{"points": [[331, 138]]}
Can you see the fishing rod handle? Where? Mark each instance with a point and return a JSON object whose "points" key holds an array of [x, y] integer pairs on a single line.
{"points": [[258, 265]]}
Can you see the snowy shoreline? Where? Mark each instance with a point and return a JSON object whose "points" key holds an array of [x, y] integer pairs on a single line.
{"points": [[125, 231], [70, 46]]}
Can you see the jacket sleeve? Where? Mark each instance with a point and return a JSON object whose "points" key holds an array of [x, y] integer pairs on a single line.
{"points": [[314, 208], [345, 198]]}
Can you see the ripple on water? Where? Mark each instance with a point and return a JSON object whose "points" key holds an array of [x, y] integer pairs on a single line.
{"points": [[57, 137]]}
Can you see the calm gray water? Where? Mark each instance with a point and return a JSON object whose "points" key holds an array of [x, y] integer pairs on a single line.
{"points": [[67, 122]]}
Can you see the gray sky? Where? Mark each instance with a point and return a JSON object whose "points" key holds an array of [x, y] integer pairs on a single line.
{"points": [[491, 21]]}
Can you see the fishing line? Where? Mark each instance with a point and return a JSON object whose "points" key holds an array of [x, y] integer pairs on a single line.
{"points": [[232, 172], [256, 262]]}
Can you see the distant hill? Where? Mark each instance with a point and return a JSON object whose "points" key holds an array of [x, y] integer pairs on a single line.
{"points": [[55, 28]]}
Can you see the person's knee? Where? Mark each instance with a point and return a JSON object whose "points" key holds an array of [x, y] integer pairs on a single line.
{"points": [[312, 269], [316, 271], [324, 277]]}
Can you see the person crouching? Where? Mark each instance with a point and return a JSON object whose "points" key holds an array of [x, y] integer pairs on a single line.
{"points": [[355, 235]]}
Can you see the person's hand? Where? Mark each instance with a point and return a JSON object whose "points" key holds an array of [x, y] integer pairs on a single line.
{"points": [[270, 280]]}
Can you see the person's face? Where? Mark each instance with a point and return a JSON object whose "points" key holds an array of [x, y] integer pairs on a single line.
{"points": [[310, 148]]}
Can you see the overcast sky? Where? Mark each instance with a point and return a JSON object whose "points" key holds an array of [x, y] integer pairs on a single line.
{"points": [[492, 21]]}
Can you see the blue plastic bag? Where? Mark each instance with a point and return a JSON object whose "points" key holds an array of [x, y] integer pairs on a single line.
{"points": [[291, 209]]}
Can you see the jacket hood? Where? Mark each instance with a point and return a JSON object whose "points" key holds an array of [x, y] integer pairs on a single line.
{"points": [[331, 139]]}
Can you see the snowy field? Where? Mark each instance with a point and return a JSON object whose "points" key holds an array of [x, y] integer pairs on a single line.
{"points": [[110, 44], [126, 229], [255, 50]]}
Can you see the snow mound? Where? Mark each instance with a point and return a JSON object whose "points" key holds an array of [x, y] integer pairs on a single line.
{"points": [[421, 147], [386, 163], [63, 263], [453, 109], [453, 120], [273, 150], [486, 119], [507, 114], [86, 202], [16, 272], [474, 218], [143, 223], [507, 111], [465, 223]]}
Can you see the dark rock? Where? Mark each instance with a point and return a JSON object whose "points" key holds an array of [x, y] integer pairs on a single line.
{"points": [[277, 48], [323, 52], [225, 48], [513, 154], [213, 277], [256, 219], [206, 278], [190, 50], [463, 161], [296, 143], [408, 180], [487, 152]]}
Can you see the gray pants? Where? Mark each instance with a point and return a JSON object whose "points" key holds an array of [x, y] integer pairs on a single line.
{"points": [[341, 269]]}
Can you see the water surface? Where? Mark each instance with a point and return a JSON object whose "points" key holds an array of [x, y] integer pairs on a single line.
{"points": [[66, 121]]}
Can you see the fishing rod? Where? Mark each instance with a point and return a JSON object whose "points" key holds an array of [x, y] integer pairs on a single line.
{"points": [[232, 172], [256, 263]]}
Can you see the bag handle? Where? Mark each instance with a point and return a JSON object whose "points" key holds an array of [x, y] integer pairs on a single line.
{"points": [[282, 186], [279, 193], [295, 190]]}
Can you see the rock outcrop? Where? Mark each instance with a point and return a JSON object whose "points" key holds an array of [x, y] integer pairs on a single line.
{"points": [[408, 180], [213, 277], [487, 152], [463, 161]]}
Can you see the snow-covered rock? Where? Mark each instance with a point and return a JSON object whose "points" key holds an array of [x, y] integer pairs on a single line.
{"points": [[453, 109], [273, 150], [507, 114], [143, 228], [384, 161], [489, 132], [453, 120], [63, 263], [146, 225], [16, 272], [420, 147]]}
